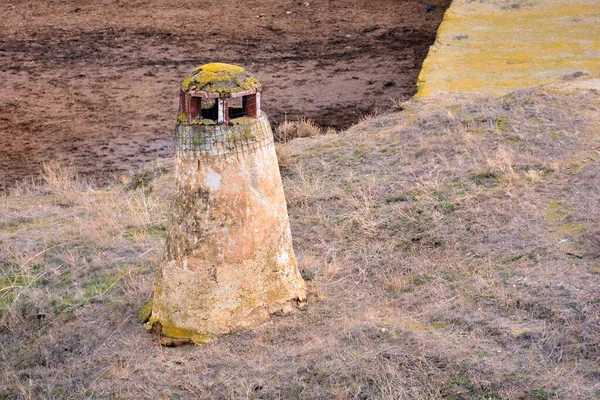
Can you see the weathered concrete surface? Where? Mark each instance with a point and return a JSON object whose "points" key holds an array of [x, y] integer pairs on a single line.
{"points": [[229, 262], [495, 46]]}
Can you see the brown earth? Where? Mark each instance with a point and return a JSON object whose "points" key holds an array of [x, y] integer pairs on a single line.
{"points": [[94, 84]]}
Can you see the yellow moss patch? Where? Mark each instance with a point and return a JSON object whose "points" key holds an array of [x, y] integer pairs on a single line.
{"points": [[187, 82], [146, 311], [221, 78], [178, 333], [438, 324], [414, 325], [572, 229], [553, 211]]}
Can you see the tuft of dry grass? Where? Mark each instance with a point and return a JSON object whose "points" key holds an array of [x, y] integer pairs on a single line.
{"points": [[60, 178], [302, 128], [451, 251], [55, 177]]}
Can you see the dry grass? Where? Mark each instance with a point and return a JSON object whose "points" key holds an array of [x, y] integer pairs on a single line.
{"points": [[70, 253], [302, 128], [55, 177], [451, 252]]}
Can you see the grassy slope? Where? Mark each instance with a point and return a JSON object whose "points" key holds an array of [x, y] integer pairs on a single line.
{"points": [[452, 252]]}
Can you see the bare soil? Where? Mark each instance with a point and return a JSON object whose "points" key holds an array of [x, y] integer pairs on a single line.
{"points": [[95, 83]]}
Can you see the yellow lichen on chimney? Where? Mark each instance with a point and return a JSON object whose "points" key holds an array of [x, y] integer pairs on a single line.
{"points": [[220, 78]]}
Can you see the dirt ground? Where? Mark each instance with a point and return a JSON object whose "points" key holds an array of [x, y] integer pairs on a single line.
{"points": [[94, 84]]}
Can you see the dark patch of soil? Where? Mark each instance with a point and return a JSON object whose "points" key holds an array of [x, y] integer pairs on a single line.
{"points": [[94, 84]]}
